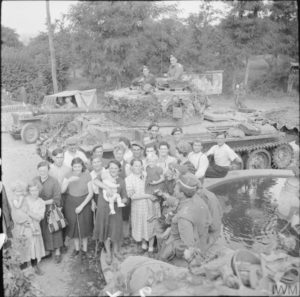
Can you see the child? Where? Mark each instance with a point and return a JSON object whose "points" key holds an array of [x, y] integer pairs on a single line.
{"points": [[24, 226], [109, 182], [154, 182], [36, 212]]}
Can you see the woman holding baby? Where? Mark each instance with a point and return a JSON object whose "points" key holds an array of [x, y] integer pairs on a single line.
{"points": [[109, 226], [29, 210]]}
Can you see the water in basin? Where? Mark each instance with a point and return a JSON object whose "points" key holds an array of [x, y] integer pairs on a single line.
{"points": [[258, 213]]}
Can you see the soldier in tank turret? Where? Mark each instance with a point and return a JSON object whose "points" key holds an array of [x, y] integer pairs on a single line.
{"points": [[146, 82]]}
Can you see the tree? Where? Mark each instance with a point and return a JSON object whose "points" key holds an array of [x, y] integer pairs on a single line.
{"points": [[249, 30], [10, 38], [113, 39], [51, 47]]}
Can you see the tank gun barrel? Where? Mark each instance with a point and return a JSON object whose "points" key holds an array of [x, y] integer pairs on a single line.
{"points": [[72, 111]]}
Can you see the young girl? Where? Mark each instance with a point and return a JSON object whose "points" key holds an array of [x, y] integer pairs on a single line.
{"points": [[36, 212]]}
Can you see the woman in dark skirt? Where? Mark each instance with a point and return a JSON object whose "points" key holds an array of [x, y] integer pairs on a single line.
{"points": [[108, 228], [79, 192], [50, 193]]}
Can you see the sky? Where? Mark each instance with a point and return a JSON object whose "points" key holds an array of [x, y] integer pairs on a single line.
{"points": [[28, 18]]}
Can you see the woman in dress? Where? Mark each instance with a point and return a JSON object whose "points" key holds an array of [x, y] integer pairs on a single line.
{"points": [[108, 228], [50, 193], [78, 211], [142, 230]]}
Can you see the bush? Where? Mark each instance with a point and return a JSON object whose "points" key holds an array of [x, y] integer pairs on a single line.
{"points": [[15, 282]]}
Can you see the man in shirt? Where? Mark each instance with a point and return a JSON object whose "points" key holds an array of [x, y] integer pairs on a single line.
{"points": [[223, 155], [198, 159], [174, 74], [175, 71], [73, 152], [59, 170]]}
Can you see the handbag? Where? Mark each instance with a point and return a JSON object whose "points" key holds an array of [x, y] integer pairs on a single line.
{"points": [[55, 218]]}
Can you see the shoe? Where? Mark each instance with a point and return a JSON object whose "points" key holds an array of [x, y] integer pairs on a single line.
{"points": [[84, 255], [64, 249], [48, 256], [58, 259], [112, 212], [74, 254], [37, 270], [121, 204]]}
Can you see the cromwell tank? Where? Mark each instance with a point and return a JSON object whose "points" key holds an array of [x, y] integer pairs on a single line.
{"points": [[185, 105], [188, 106]]}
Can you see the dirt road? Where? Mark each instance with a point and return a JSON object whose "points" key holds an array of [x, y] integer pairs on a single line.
{"points": [[19, 162]]}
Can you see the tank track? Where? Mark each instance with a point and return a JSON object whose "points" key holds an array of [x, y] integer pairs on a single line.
{"points": [[255, 146]]}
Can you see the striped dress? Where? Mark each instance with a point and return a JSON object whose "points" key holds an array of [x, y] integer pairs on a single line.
{"points": [[141, 228]]}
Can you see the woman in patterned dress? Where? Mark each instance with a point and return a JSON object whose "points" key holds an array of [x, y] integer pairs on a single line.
{"points": [[142, 230]]}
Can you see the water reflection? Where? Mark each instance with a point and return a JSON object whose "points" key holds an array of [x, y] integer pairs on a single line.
{"points": [[251, 217]]}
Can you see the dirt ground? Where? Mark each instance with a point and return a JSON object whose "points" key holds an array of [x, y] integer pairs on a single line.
{"points": [[19, 162]]}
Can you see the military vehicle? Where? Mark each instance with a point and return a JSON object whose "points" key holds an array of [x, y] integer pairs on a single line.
{"points": [[129, 111], [53, 112]]}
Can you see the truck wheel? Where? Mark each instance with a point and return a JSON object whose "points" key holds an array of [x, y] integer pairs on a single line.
{"points": [[30, 133], [259, 159], [282, 156]]}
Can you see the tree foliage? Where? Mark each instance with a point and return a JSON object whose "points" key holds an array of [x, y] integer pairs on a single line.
{"points": [[109, 41], [9, 38]]}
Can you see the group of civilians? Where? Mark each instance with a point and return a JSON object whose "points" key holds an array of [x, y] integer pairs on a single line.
{"points": [[123, 197]]}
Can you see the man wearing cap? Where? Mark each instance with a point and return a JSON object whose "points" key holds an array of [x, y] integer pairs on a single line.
{"points": [[177, 135], [198, 159], [73, 152], [137, 150], [223, 155], [193, 225]]}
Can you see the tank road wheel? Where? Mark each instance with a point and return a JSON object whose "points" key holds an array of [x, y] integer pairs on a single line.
{"points": [[259, 159], [30, 133], [282, 156], [238, 166]]}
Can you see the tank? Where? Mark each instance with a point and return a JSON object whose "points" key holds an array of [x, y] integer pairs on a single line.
{"points": [[259, 144]]}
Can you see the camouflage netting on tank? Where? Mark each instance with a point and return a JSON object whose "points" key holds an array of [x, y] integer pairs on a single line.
{"points": [[288, 117], [137, 106], [141, 108]]}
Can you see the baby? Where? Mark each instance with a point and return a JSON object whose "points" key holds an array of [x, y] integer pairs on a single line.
{"points": [[109, 182], [21, 208]]}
